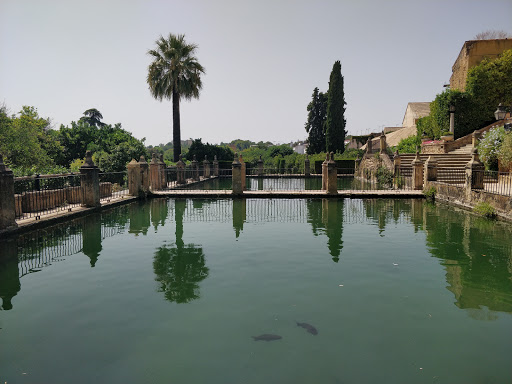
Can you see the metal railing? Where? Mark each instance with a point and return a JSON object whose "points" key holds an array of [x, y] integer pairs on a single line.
{"points": [[499, 183], [113, 185], [46, 194]]}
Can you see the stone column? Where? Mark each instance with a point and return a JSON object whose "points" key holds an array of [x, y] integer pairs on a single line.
{"points": [[307, 167], [195, 169], [144, 174], [396, 162], [332, 176], [417, 173], [90, 182], [7, 202], [180, 172], [215, 166], [369, 145], [244, 170], [260, 167], [206, 166], [163, 175], [382, 143], [356, 164], [474, 139], [474, 174], [134, 182], [452, 118], [430, 170], [236, 176], [154, 174], [324, 172]]}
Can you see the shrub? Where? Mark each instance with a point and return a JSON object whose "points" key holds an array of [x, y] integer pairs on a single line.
{"points": [[489, 147], [384, 177], [485, 209], [430, 193], [505, 152], [409, 144]]}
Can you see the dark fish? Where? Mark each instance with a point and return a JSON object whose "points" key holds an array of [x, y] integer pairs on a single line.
{"points": [[308, 327], [266, 337]]}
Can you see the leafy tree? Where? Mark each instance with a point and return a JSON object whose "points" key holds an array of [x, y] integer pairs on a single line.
{"points": [[21, 139], [201, 150], [174, 73], [335, 122], [76, 140], [409, 144], [93, 117], [317, 113]]}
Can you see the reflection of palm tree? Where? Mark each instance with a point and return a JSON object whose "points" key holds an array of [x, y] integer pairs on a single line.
{"points": [[179, 268]]}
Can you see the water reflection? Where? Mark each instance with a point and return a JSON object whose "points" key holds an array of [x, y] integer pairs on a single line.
{"points": [[327, 218], [180, 267], [475, 253]]}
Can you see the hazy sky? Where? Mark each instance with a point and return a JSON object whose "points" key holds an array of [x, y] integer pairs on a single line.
{"points": [[262, 58]]}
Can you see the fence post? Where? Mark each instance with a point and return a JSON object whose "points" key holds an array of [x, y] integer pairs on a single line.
{"points": [[7, 201], [215, 166], [236, 177], [474, 174], [154, 174], [195, 169], [243, 173], [206, 166], [307, 167], [133, 178], [332, 177], [180, 172], [417, 173], [430, 170], [90, 182], [260, 166], [396, 162], [369, 145], [163, 176], [324, 172], [144, 175], [474, 139], [382, 143]]}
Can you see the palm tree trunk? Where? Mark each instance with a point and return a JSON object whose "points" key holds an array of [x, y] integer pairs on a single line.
{"points": [[176, 130]]}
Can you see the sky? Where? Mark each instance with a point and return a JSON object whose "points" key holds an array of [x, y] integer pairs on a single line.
{"points": [[262, 59]]}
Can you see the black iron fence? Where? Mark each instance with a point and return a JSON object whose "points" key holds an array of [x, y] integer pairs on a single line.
{"points": [[113, 185], [499, 183], [45, 194]]}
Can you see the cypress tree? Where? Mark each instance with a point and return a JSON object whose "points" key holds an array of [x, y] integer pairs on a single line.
{"points": [[335, 122], [317, 111]]}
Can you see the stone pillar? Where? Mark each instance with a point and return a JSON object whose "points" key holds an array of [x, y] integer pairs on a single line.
{"points": [[332, 176], [307, 167], [134, 181], [155, 178], [382, 143], [396, 162], [324, 172], [236, 176], [144, 174], [260, 167], [474, 174], [244, 170], [163, 175], [369, 145], [90, 182], [430, 170], [215, 166], [180, 172], [195, 169], [356, 164], [7, 202], [474, 139], [452, 119], [206, 166], [417, 173]]}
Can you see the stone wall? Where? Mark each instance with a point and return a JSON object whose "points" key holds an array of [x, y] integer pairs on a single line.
{"points": [[471, 54]]}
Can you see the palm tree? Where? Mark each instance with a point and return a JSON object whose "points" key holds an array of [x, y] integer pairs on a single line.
{"points": [[174, 73], [93, 117]]}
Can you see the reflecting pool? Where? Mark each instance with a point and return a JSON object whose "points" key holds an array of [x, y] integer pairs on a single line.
{"points": [[173, 291]]}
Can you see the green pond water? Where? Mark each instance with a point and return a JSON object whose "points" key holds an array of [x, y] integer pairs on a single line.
{"points": [[172, 291]]}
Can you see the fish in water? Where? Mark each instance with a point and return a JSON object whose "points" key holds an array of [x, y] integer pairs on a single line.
{"points": [[308, 327], [266, 337]]}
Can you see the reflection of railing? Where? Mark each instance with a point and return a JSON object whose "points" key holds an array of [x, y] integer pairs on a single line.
{"points": [[45, 194], [268, 210]]}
